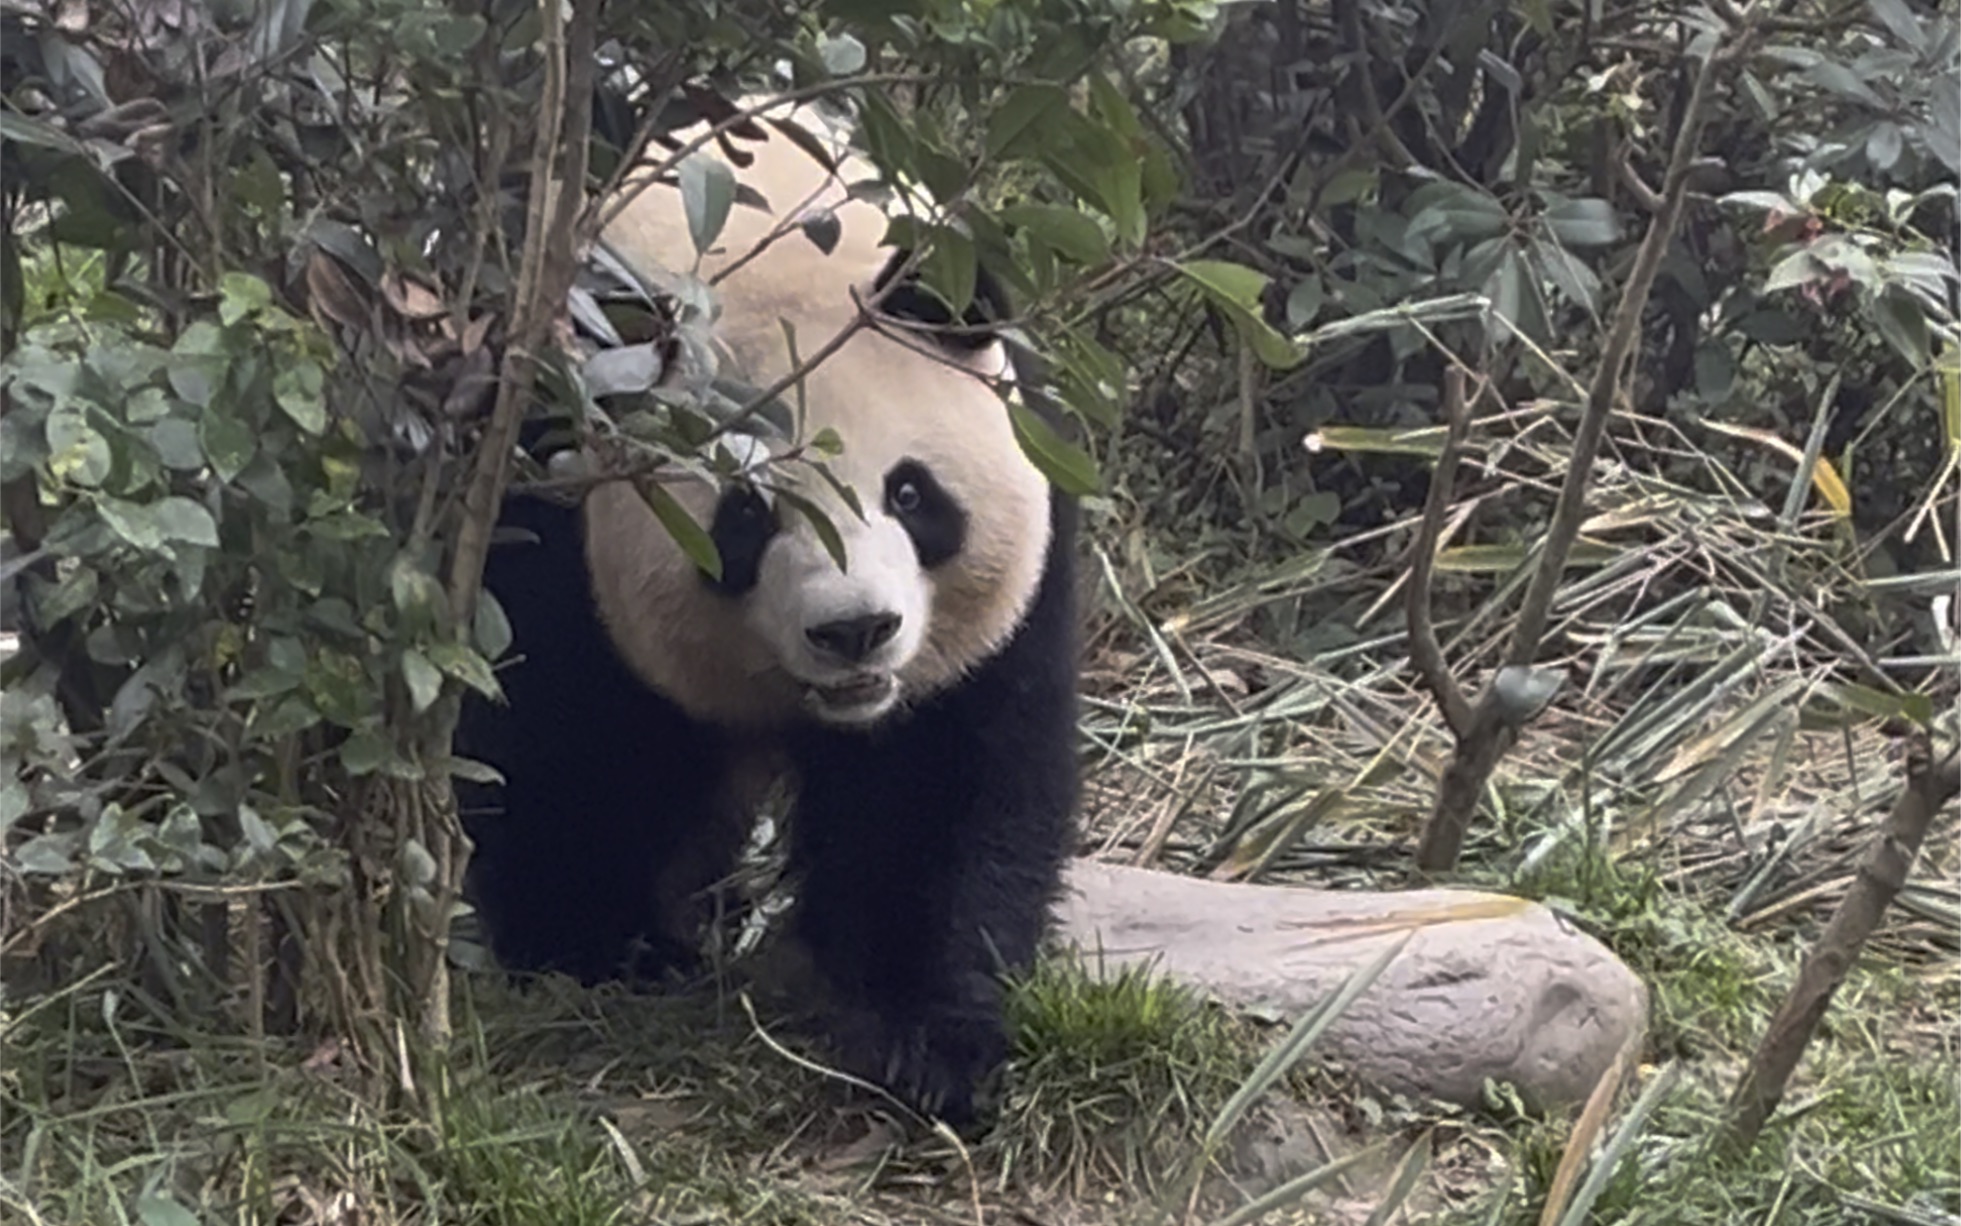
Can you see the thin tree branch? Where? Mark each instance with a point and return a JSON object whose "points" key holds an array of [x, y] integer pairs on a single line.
{"points": [[1882, 872], [1504, 706], [1622, 336], [1423, 649], [545, 275]]}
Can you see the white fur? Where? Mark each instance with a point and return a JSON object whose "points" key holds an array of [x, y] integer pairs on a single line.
{"points": [[888, 398], [801, 586]]}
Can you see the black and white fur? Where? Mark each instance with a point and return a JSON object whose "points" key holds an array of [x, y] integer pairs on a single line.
{"points": [[924, 699]]}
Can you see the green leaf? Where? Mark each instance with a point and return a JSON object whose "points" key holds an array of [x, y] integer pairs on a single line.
{"points": [[473, 771], [1304, 301], [1060, 460], [1442, 210], [1845, 82], [76, 591], [286, 652], [300, 390], [1069, 231], [340, 687], [259, 834], [417, 594], [228, 443], [823, 229], [1089, 378], [944, 176], [23, 444], [466, 666], [289, 715], [827, 443], [1858, 699], [22, 130], [47, 855], [696, 543], [1109, 104], [1121, 187], [1794, 269], [886, 136], [269, 682], [1884, 144], [1509, 288], [1586, 222], [364, 752], [1424, 441], [1313, 511], [14, 802], [707, 192], [1904, 326], [805, 140], [177, 445], [182, 519], [160, 1209], [1900, 21], [951, 269], [841, 54], [1574, 280], [418, 866], [1236, 290], [135, 522], [454, 34], [820, 523], [77, 451], [266, 481], [491, 628], [241, 294], [425, 680], [1019, 115]]}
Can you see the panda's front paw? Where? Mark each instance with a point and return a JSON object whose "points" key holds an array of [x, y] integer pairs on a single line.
{"points": [[939, 1065]]}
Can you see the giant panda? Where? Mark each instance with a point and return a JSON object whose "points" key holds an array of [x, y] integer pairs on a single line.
{"points": [[922, 700]]}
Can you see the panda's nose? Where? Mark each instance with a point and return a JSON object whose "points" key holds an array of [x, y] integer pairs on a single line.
{"points": [[851, 639]]}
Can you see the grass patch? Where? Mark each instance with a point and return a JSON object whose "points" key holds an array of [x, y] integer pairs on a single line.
{"points": [[1867, 1131], [1113, 1079], [590, 1108]]}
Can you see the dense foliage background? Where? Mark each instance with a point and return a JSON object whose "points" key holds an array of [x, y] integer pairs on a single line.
{"points": [[272, 281]]}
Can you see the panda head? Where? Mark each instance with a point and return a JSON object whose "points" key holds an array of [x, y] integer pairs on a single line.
{"points": [[950, 547]]}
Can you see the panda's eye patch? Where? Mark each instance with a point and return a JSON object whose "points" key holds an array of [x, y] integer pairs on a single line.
{"points": [[935, 522], [911, 302], [744, 524]]}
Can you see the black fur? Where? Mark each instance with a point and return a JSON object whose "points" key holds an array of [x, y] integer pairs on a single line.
{"points": [[744, 524], [934, 520], [608, 788], [912, 300], [928, 850]]}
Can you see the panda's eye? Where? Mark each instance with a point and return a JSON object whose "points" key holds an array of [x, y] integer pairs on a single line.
{"points": [[930, 516]]}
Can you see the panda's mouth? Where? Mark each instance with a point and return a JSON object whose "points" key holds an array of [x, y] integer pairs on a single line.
{"points": [[854, 700]]}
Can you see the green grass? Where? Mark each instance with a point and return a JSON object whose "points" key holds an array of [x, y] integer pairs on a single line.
{"points": [[1872, 1117], [1114, 1080], [565, 1106], [579, 1108]]}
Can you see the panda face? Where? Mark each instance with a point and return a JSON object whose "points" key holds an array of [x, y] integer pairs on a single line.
{"points": [[846, 636], [941, 567]]}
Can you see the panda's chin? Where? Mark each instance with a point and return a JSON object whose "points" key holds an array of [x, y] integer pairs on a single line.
{"points": [[860, 700]]}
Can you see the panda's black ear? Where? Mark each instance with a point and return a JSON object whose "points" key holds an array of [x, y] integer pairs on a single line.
{"points": [[912, 301]]}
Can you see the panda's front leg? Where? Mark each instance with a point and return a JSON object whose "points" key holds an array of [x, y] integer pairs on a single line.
{"points": [[929, 853]]}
